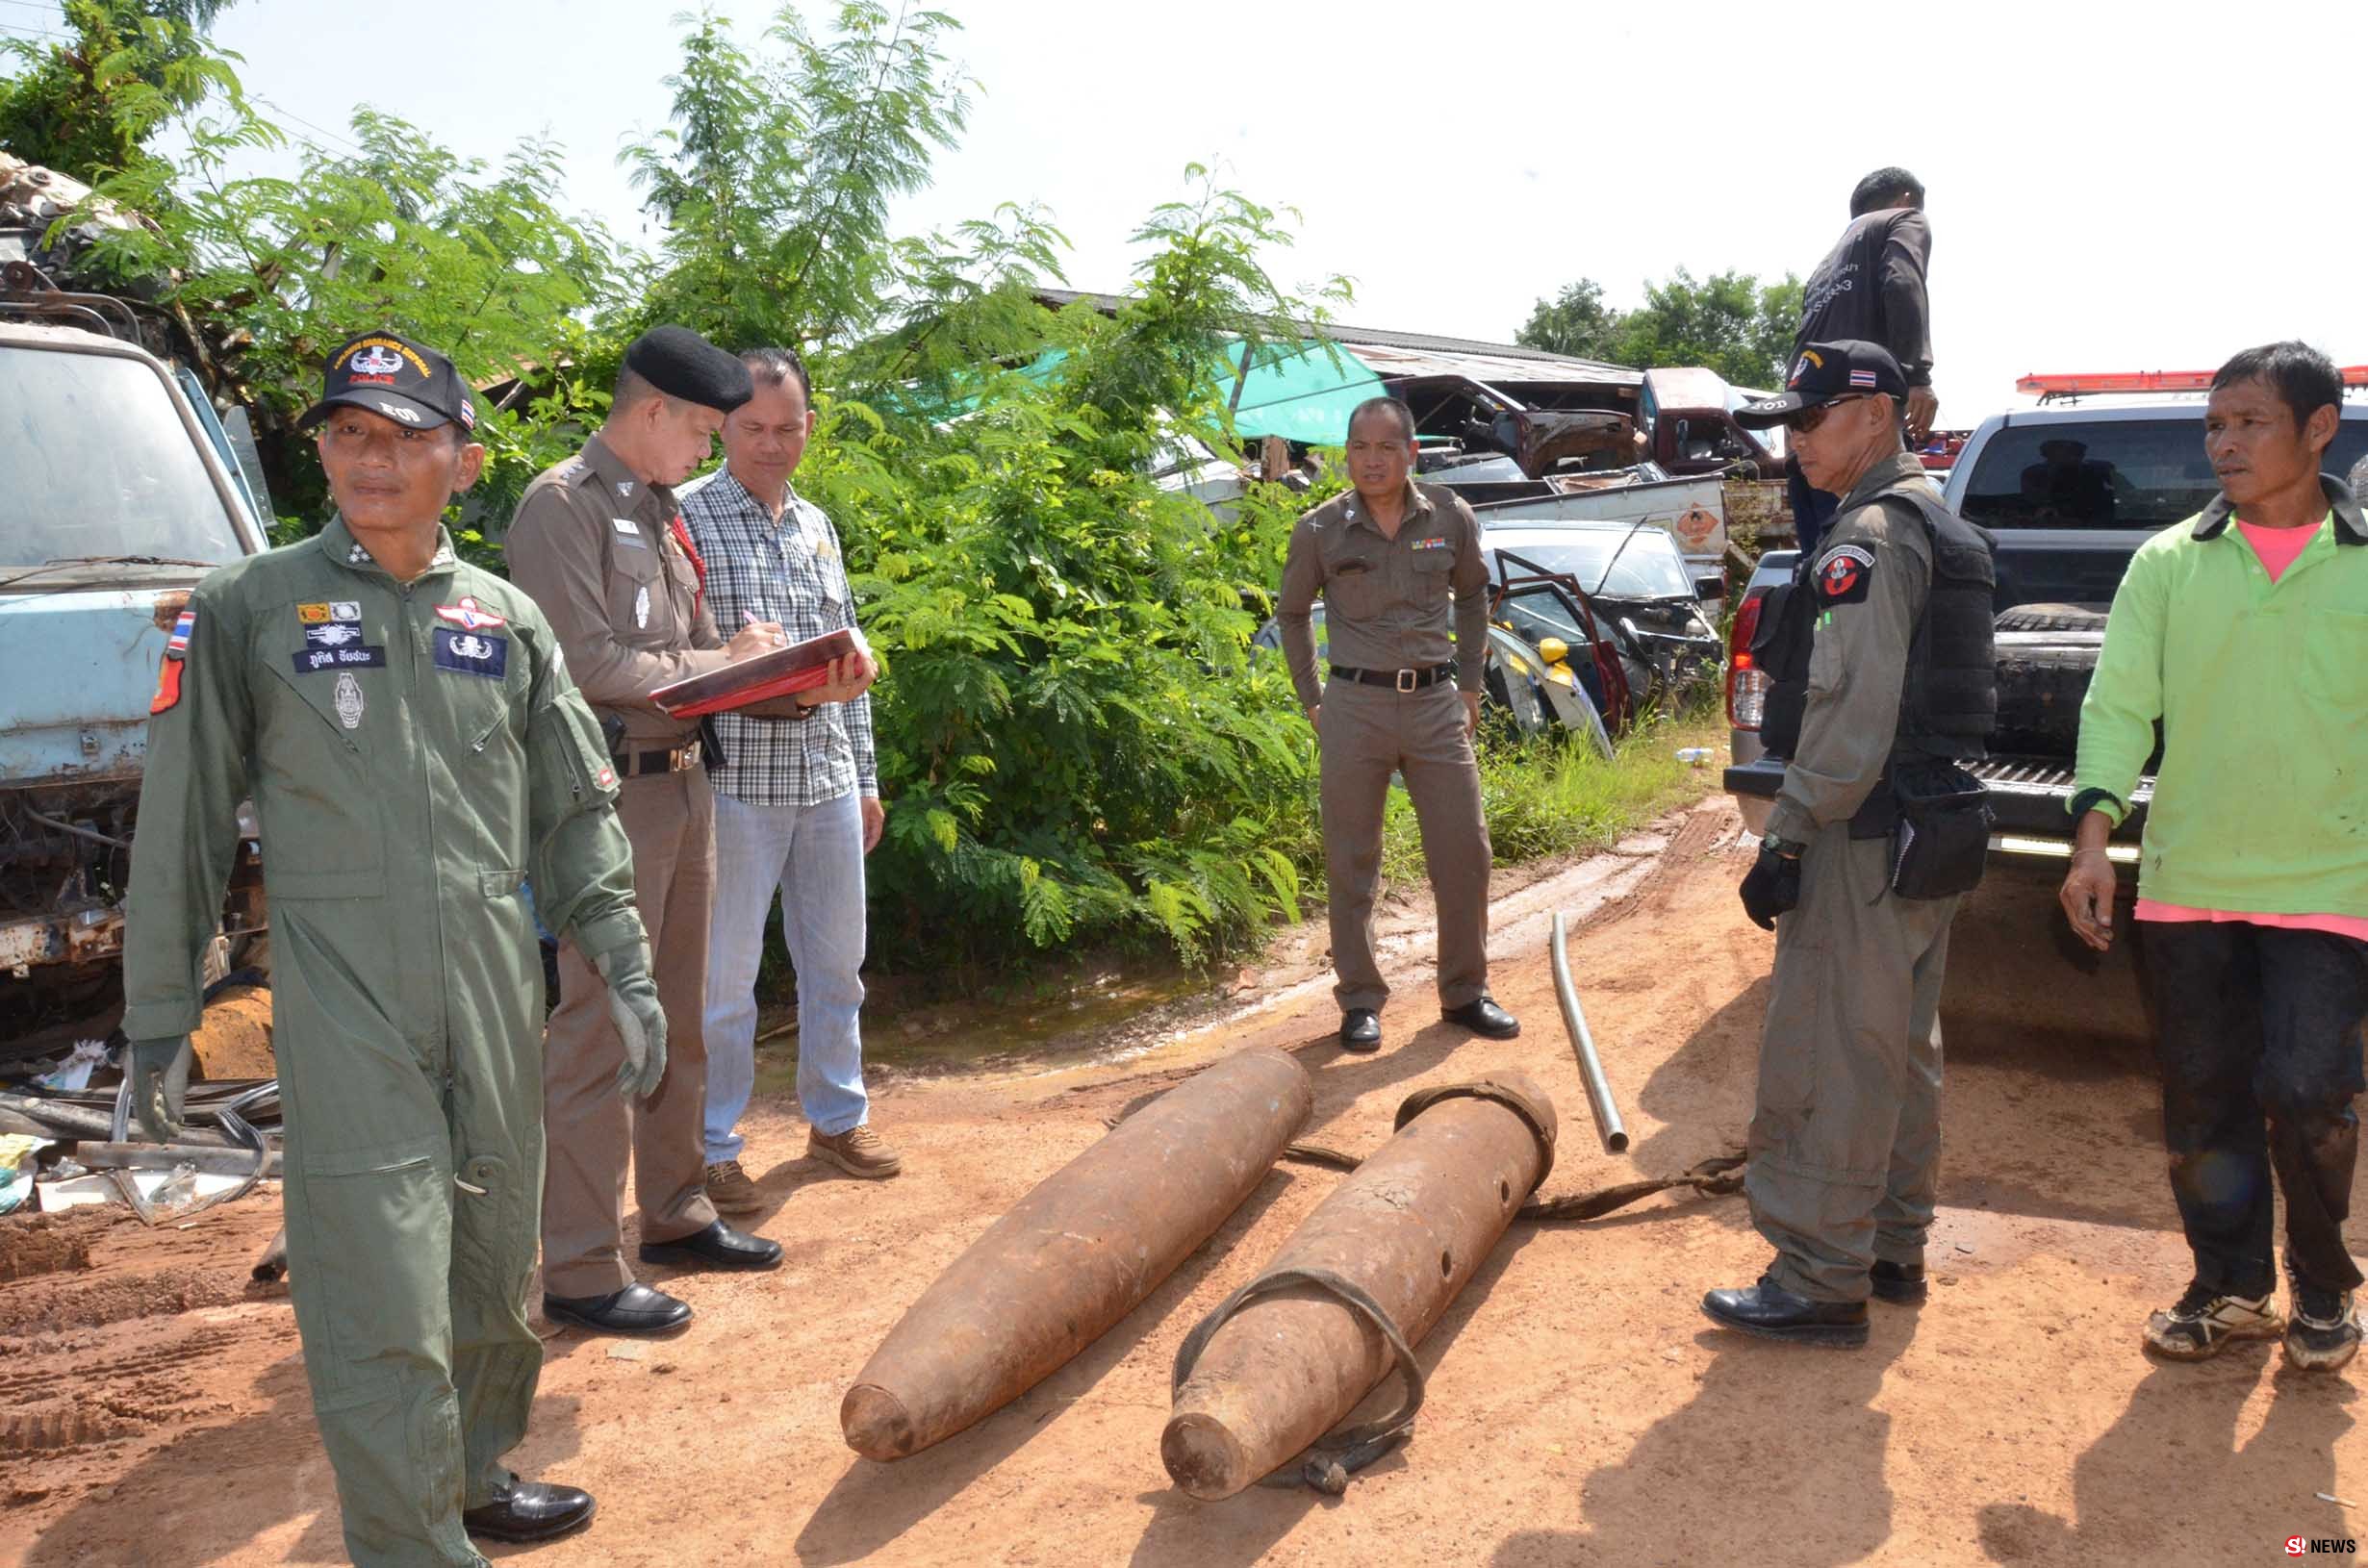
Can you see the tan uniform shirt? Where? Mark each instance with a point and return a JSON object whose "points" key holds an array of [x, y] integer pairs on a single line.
{"points": [[595, 546], [1386, 600]]}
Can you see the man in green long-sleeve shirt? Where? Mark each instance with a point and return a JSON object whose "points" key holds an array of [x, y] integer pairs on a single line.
{"points": [[415, 750], [2244, 630]]}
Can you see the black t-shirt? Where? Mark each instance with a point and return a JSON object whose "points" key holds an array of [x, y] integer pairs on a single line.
{"points": [[1871, 286]]}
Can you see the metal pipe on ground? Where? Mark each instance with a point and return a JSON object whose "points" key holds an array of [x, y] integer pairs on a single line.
{"points": [[64, 1121], [1273, 1370], [1614, 1131], [205, 1159], [1076, 1254]]}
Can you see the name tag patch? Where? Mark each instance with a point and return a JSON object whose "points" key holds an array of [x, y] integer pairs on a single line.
{"points": [[471, 653], [626, 526], [313, 660]]}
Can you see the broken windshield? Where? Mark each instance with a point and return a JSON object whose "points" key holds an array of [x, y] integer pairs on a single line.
{"points": [[95, 463]]}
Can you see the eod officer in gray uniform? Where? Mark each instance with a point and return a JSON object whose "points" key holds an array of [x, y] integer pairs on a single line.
{"points": [[1881, 649], [1390, 560], [415, 750]]}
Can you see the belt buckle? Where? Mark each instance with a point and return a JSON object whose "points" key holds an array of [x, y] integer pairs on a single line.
{"points": [[683, 760], [1406, 679]]}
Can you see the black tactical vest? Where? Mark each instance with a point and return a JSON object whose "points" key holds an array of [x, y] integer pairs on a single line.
{"points": [[1950, 702]]}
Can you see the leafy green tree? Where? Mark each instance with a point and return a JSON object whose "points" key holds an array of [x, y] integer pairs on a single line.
{"points": [[88, 106], [1730, 322], [774, 178], [1575, 321], [401, 234], [1075, 742]]}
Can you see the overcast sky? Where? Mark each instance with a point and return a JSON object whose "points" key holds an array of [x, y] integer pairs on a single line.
{"points": [[2111, 186]]}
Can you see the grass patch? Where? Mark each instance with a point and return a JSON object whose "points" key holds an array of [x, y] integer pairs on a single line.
{"points": [[1545, 799]]}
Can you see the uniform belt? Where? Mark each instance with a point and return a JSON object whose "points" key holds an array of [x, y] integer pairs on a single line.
{"points": [[634, 764], [1404, 680]]}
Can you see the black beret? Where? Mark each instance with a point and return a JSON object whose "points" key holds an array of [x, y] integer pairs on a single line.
{"points": [[681, 364]]}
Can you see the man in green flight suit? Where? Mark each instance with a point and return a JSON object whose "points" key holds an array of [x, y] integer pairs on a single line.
{"points": [[416, 751]]}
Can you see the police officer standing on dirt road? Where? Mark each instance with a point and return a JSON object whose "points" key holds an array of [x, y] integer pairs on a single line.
{"points": [[600, 545], [415, 750], [1885, 679], [1392, 559]]}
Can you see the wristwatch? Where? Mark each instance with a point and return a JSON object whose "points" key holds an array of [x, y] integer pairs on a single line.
{"points": [[1788, 849]]}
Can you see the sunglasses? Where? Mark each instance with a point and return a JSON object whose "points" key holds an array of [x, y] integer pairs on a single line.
{"points": [[1809, 418]]}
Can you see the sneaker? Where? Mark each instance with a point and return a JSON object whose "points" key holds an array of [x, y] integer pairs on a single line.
{"points": [[2324, 1331], [859, 1152], [2202, 1324], [730, 1191]]}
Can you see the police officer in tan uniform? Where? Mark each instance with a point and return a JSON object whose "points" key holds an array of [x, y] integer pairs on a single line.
{"points": [[1886, 679], [598, 544], [1389, 561]]}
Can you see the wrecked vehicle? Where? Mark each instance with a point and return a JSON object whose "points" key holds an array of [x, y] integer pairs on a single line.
{"points": [[123, 490], [1623, 587]]}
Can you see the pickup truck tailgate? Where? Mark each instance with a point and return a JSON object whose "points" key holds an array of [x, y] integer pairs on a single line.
{"points": [[2027, 794]]}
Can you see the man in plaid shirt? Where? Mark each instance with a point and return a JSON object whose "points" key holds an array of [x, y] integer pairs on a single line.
{"points": [[796, 800]]}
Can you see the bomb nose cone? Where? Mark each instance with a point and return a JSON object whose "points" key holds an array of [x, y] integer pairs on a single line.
{"points": [[1203, 1458], [876, 1422]]}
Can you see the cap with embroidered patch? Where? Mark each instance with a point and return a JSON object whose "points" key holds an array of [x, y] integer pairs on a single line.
{"points": [[1825, 374], [407, 382]]}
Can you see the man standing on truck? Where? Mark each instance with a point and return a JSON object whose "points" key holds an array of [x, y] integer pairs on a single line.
{"points": [[1870, 288], [600, 545], [2244, 632], [1395, 563], [1873, 834], [415, 750]]}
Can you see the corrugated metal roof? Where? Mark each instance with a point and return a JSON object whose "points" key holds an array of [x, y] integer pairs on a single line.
{"points": [[1420, 353]]}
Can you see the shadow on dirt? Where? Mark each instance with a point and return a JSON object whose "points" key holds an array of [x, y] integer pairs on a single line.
{"points": [[2170, 1480], [1807, 1503]]}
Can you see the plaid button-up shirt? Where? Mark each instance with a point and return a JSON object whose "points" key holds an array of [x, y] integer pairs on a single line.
{"points": [[790, 571]]}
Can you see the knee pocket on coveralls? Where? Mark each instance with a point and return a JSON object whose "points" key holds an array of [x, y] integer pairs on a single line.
{"points": [[370, 1243], [495, 1221]]}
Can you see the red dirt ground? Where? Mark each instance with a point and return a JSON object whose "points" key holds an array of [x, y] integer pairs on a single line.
{"points": [[153, 1409]]}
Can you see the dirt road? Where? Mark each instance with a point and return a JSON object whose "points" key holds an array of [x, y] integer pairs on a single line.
{"points": [[1581, 1409]]}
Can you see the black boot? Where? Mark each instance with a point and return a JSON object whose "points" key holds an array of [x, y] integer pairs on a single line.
{"points": [[1901, 1283], [530, 1510], [636, 1309], [1483, 1017], [1360, 1030], [1772, 1312], [717, 1247]]}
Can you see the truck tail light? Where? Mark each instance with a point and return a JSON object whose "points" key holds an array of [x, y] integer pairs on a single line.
{"points": [[1746, 684]]}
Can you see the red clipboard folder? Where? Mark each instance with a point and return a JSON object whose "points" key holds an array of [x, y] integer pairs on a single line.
{"points": [[796, 668]]}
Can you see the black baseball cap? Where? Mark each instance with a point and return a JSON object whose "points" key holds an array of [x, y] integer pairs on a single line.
{"points": [[1821, 373], [407, 382]]}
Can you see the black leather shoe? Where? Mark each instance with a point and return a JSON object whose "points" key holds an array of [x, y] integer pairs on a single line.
{"points": [[718, 1247], [1360, 1030], [530, 1510], [1772, 1312], [1484, 1017], [636, 1309], [1900, 1283]]}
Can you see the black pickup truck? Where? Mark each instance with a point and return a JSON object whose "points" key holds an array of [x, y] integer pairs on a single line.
{"points": [[2070, 489]]}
